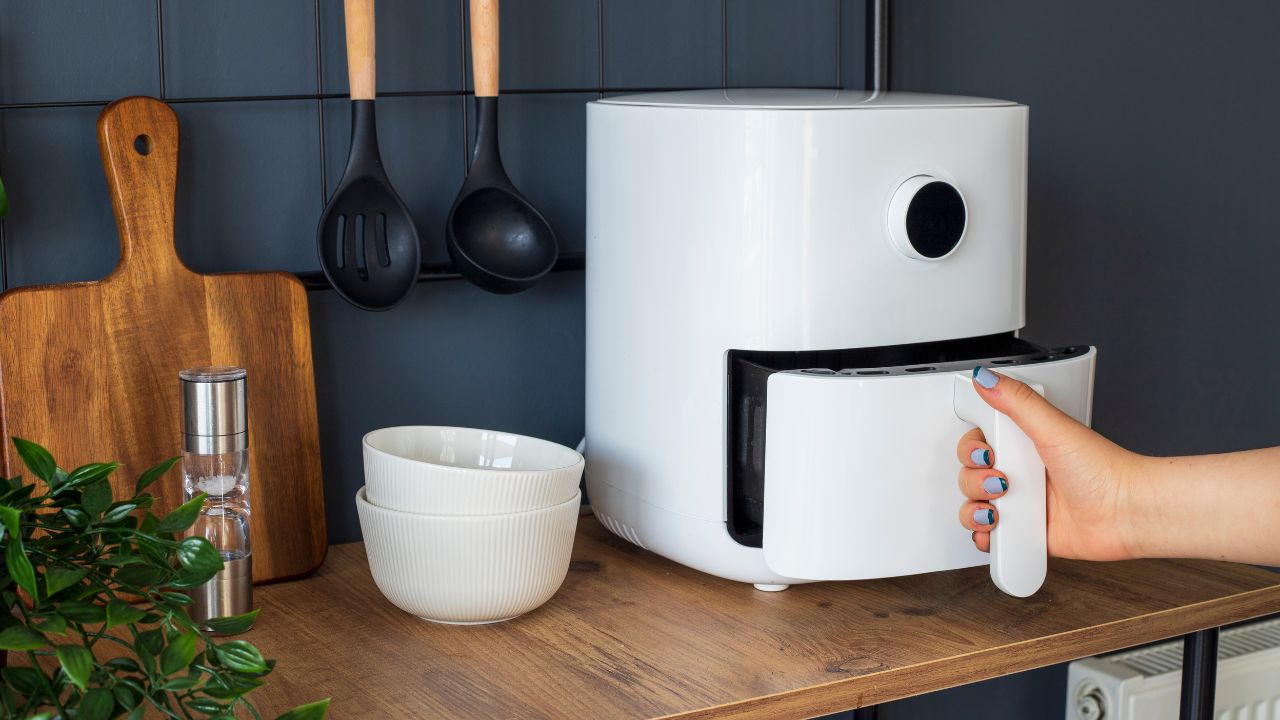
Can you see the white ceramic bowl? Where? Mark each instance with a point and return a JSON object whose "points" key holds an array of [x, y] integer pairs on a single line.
{"points": [[434, 470], [468, 570]]}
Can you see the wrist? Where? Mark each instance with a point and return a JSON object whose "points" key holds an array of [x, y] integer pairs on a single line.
{"points": [[1136, 516]]}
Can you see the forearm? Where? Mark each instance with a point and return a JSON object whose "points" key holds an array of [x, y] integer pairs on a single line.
{"points": [[1222, 507]]}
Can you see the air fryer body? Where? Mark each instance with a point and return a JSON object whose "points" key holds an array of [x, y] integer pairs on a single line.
{"points": [[779, 286]]}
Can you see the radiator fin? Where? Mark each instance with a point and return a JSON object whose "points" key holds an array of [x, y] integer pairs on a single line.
{"points": [[1231, 643]]}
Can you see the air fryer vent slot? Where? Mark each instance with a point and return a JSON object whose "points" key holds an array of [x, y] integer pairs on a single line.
{"points": [[622, 530]]}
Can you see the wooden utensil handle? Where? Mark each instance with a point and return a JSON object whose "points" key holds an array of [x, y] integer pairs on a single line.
{"points": [[361, 49], [484, 46], [138, 139]]}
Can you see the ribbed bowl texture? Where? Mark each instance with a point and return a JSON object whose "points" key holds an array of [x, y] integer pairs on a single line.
{"points": [[435, 470], [468, 570]]}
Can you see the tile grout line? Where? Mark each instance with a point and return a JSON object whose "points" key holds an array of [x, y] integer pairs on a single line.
{"points": [[466, 117], [723, 42], [324, 171], [839, 44], [160, 46], [599, 49]]}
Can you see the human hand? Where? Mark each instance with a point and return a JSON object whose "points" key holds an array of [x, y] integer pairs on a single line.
{"points": [[1087, 476]]}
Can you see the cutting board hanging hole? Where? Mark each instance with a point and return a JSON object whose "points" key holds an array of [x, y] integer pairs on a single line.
{"points": [[142, 144]]}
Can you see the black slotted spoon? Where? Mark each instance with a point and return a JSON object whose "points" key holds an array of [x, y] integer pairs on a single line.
{"points": [[368, 246]]}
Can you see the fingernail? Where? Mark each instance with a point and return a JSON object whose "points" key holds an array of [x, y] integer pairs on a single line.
{"points": [[980, 456], [985, 377], [995, 485], [984, 516]]}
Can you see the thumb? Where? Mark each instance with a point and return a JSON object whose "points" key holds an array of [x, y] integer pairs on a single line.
{"points": [[1044, 423]]}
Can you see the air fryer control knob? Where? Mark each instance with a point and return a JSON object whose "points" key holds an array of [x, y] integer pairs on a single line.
{"points": [[927, 218]]}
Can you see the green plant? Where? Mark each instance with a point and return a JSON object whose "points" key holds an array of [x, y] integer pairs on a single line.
{"points": [[93, 591]]}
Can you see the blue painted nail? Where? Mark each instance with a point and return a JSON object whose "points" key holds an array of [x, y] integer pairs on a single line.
{"points": [[985, 377], [995, 485], [984, 516], [980, 456]]}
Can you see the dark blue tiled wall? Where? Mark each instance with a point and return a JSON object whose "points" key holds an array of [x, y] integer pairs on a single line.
{"points": [[257, 88]]}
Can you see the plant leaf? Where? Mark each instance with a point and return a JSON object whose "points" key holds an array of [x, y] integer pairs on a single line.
{"points": [[96, 704], [175, 598], [232, 685], [19, 566], [179, 654], [152, 641], [152, 474], [55, 624], [233, 624], [120, 560], [310, 711], [183, 516], [76, 516], [139, 576], [205, 705], [119, 512], [124, 663], [10, 518], [120, 612], [82, 612], [198, 556], [125, 697], [86, 474], [24, 679], [97, 497], [186, 682], [61, 577], [21, 637], [241, 656], [37, 459], [77, 663]]}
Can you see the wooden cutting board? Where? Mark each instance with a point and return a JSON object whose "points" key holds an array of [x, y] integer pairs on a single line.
{"points": [[90, 370]]}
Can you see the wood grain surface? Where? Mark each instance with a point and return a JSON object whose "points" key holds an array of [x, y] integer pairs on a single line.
{"points": [[633, 635], [362, 69], [484, 47], [90, 370]]}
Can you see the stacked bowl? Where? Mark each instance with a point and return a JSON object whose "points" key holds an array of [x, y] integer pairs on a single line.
{"points": [[467, 526]]}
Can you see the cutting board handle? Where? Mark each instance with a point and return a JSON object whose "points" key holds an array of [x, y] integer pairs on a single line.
{"points": [[138, 138]]}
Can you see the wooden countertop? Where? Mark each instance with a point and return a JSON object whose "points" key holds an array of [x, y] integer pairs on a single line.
{"points": [[631, 634]]}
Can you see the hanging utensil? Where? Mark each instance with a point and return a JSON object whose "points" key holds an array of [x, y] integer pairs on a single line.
{"points": [[496, 238], [368, 246]]}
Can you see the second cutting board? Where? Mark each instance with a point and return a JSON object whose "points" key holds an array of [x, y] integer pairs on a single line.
{"points": [[90, 370]]}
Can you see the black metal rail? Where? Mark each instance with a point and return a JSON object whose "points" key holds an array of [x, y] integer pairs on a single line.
{"points": [[1199, 674]]}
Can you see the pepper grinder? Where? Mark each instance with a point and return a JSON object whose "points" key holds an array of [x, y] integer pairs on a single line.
{"points": [[215, 461]]}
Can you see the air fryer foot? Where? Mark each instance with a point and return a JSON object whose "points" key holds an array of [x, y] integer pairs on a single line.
{"points": [[766, 587]]}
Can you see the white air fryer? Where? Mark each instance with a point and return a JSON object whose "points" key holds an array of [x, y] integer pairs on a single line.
{"points": [[786, 295]]}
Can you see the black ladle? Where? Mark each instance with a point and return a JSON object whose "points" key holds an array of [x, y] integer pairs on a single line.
{"points": [[495, 237], [369, 248]]}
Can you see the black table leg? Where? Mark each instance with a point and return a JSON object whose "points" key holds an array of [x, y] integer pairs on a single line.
{"points": [[866, 713], [1199, 674]]}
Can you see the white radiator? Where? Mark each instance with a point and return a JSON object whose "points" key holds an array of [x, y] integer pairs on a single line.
{"points": [[1145, 684]]}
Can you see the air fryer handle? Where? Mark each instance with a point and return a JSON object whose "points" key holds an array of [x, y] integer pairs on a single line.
{"points": [[1019, 543]]}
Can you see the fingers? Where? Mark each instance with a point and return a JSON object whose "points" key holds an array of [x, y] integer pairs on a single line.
{"points": [[979, 517], [983, 483], [973, 451], [1038, 418], [982, 541]]}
